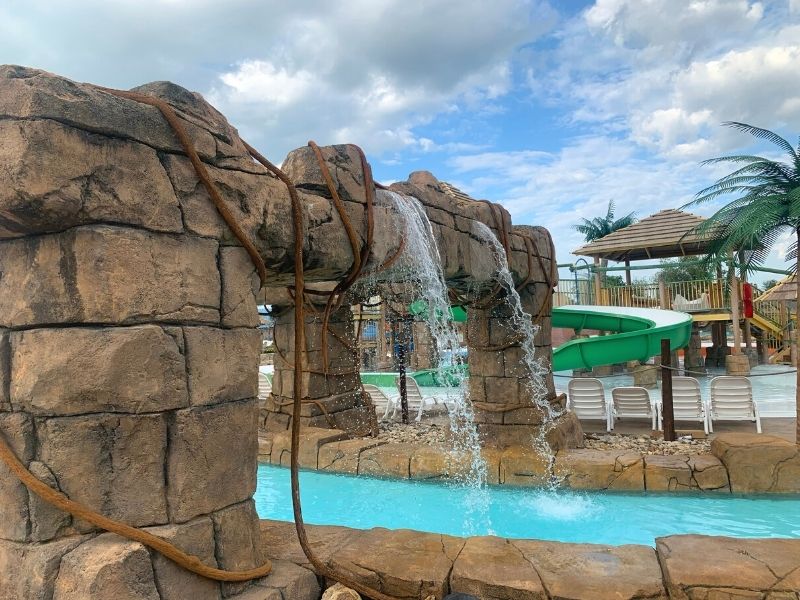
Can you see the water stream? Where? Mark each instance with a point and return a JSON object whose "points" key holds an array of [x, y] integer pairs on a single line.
{"points": [[522, 322], [420, 267]]}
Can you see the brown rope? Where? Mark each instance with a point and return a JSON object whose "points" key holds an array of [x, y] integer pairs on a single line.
{"points": [[299, 342], [361, 255], [187, 561], [60, 500], [76, 509]]}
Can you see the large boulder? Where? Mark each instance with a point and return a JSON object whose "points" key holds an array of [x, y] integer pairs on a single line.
{"points": [[759, 463]]}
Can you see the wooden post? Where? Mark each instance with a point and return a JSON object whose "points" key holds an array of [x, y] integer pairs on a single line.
{"points": [[628, 271], [663, 300], [668, 414], [737, 332], [748, 339], [598, 284]]}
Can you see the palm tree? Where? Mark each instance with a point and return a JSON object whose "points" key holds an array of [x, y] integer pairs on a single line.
{"points": [[768, 206], [594, 229], [599, 227]]}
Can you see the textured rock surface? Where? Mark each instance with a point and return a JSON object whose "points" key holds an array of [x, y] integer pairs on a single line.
{"points": [[17, 430], [595, 572], [601, 470], [279, 541], [685, 473], [311, 440], [702, 567], [404, 563], [494, 569], [106, 567], [222, 364], [120, 472], [212, 458], [77, 370], [340, 592], [388, 460], [105, 274], [758, 463], [29, 570], [174, 582]]}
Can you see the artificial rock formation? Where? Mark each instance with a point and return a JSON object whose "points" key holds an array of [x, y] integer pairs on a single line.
{"points": [[128, 340]]}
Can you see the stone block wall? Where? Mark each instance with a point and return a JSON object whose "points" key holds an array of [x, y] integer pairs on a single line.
{"points": [[128, 348], [332, 396], [499, 373]]}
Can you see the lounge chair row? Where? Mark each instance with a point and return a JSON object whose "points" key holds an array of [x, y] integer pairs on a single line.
{"points": [[731, 400], [414, 397]]}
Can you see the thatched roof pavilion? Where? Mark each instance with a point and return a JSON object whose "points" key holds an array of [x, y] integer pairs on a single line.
{"points": [[784, 290], [668, 233]]}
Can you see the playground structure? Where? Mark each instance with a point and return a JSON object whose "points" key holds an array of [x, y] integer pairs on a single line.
{"points": [[718, 303], [128, 340]]}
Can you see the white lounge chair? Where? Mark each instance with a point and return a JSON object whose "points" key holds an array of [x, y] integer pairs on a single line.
{"points": [[632, 402], [414, 397], [686, 305], [586, 397], [687, 404], [264, 386], [381, 399], [732, 400]]}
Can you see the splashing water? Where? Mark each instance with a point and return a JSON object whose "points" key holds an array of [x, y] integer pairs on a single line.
{"points": [[535, 382], [421, 266]]}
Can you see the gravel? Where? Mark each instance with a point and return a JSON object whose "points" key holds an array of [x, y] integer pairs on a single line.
{"points": [[427, 433], [647, 445], [434, 434]]}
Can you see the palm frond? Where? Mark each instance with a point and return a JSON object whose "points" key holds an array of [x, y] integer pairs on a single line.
{"points": [[764, 134]]}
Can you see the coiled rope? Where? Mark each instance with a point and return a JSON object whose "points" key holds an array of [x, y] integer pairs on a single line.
{"points": [[187, 561]]}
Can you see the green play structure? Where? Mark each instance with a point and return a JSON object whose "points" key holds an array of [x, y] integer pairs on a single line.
{"points": [[633, 334]]}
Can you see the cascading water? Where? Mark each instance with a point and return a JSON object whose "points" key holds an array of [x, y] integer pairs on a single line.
{"points": [[421, 268], [523, 323]]}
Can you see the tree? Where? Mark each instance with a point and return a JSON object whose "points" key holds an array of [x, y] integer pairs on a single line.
{"points": [[768, 206], [687, 268], [594, 229], [770, 283]]}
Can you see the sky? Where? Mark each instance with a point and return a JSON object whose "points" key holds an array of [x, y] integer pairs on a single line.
{"points": [[551, 108]]}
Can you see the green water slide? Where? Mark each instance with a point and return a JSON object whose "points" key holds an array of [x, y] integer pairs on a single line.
{"points": [[636, 334], [633, 334]]}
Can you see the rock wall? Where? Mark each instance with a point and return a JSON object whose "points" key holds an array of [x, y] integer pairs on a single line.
{"points": [[128, 351], [128, 340]]}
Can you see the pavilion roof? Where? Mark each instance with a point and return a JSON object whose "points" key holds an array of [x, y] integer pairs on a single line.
{"points": [[454, 192], [785, 289], [666, 234]]}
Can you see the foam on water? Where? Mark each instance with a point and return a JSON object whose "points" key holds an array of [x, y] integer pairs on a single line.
{"points": [[420, 267]]}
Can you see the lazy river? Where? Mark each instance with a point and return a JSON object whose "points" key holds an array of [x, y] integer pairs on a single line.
{"points": [[567, 516]]}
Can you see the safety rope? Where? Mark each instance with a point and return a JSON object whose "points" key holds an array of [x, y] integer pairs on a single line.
{"points": [[679, 369]]}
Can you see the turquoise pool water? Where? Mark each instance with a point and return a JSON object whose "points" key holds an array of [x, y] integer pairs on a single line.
{"points": [[603, 518]]}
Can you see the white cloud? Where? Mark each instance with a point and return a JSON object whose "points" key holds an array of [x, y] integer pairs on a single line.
{"points": [[668, 72], [362, 71]]}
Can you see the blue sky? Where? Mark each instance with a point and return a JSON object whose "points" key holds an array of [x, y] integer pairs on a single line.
{"points": [[552, 109]]}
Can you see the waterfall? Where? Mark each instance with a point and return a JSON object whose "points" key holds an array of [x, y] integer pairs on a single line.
{"points": [[420, 267], [523, 323]]}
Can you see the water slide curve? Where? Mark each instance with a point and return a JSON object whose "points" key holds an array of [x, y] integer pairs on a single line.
{"points": [[636, 334]]}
